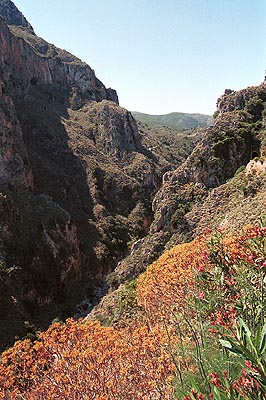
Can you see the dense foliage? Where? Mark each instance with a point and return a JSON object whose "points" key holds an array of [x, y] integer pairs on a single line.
{"points": [[200, 333]]}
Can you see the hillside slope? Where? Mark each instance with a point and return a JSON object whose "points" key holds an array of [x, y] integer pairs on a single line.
{"points": [[175, 120]]}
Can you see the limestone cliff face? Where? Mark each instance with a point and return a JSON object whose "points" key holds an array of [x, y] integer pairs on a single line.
{"points": [[237, 100], [40, 252], [112, 128], [13, 16], [27, 60], [40, 258], [14, 166]]}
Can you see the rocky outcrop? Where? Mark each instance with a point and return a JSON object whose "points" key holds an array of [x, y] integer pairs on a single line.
{"points": [[256, 167], [238, 100], [112, 128], [13, 16]]}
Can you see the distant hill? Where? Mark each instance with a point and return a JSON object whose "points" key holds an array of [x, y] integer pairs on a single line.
{"points": [[175, 120]]}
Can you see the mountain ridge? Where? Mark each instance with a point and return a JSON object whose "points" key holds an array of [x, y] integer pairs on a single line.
{"points": [[175, 120]]}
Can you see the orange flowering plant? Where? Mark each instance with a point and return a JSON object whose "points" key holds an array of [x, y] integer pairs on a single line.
{"points": [[83, 360]]}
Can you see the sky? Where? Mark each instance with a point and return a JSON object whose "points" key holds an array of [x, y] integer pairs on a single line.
{"points": [[161, 56]]}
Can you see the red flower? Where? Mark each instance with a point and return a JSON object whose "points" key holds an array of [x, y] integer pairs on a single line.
{"points": [[201, 295], [248, 364], [201, 268], [215, 380], [200, 397]]}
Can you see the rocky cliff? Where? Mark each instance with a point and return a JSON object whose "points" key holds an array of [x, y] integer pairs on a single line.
{"points": [[13, 16], [27, 60]]}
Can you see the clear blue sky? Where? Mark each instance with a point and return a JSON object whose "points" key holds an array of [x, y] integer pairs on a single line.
{"points": [[160, 55]]}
